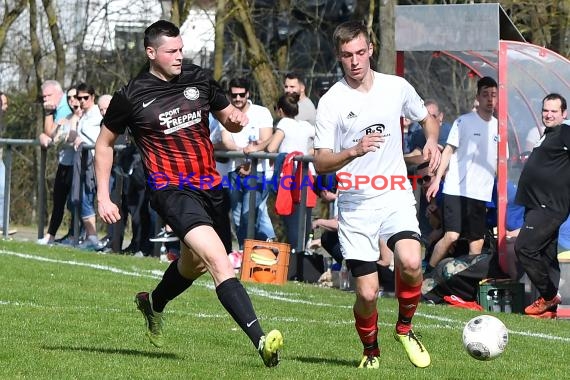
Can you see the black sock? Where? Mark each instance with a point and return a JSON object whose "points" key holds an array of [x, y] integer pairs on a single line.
{"points": [[170, 287], [235, 300]]}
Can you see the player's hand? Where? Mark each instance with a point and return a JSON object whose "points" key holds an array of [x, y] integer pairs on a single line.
{"points": [[432, 153], [433, 188], [108, 211], [236, 120], [369, 143]]}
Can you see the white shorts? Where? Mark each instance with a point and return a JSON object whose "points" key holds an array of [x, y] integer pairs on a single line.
{"points": [[360, 231]]}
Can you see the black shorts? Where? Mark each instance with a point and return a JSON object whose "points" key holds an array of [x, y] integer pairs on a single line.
{"points": [[466, 216], [185, 209]]}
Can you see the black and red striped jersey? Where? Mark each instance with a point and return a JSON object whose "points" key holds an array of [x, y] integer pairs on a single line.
{"points": [[168, 121]]}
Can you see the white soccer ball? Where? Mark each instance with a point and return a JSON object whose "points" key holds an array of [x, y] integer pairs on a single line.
{"points": [[485, 337]]}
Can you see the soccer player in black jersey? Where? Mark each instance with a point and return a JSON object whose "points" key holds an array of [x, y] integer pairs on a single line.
{"points": [[166, 111]]}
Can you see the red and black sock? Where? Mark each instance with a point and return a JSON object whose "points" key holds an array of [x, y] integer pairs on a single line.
{"points": [[408, 298], [367, 328]]}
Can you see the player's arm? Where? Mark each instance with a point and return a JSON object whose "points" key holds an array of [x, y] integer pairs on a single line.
{"points": [[326, 161], [231, 118], [108, 211], [431, 150], [432, 190]]}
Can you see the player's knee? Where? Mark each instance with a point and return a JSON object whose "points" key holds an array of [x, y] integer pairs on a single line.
{"points": [[410, 264], [368, 294]]}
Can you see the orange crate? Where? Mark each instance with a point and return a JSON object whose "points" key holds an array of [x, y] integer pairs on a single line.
{"points": [[265, 262]]}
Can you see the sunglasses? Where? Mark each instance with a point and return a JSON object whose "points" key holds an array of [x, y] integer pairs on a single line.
{"points": [[238, 94], [83, 97], [69, 97]]}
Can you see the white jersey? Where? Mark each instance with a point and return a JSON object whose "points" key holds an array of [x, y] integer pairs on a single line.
{"points": [[259, 117], [345, 115], [299, 135], [473, 165]]}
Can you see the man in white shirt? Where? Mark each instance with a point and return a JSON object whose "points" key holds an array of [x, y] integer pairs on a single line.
{"points": [[294, 83], [259, 129], [471, 154], [358, 135]]}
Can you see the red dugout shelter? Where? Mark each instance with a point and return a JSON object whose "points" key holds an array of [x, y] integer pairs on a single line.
{"points": [[483, 38]]}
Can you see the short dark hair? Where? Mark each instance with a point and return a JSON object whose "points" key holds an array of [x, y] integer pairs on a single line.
{"points": [[84, 87], [348, 31], [556, 96], [161, 28], [239, 83], [295, 75], [486, 82], [289, 103]]}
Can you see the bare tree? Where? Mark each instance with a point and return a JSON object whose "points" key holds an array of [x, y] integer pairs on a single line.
{"points": [[52, 20], [10, 15], [258, 59]]}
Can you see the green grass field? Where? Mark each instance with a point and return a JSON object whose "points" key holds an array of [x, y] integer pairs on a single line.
{"points": [[67, 314]]}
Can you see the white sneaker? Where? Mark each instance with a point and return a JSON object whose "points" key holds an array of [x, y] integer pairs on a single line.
{"points": [[46, 240]]}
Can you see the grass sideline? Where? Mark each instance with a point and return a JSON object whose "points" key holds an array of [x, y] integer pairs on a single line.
{"points": [[69, 314]]}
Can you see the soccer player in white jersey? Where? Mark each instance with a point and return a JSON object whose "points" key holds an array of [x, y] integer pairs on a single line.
{"points": [[358, 135], [471, 154]]}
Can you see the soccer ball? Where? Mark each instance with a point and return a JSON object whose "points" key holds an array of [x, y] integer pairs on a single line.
{"points": [[485, 337]]}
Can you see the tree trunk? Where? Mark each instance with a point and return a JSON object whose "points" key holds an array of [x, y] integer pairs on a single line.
{"points": [[9, 17], [219, 42], [258, 59], [387, 54], [57, 40]]}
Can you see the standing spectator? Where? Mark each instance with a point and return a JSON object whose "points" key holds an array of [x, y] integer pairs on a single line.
{"points": [[471, 154], [88, 129], [166, 110], [60, 127], [292, 135], [544, 191], [252, 136], [294, 84], [358, 132]]}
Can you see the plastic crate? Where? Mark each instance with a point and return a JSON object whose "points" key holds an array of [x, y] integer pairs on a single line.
{"points": [[264, 272], [497, 295]]}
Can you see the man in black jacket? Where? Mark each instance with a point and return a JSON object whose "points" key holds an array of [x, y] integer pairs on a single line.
{"points": [[544, 191]]}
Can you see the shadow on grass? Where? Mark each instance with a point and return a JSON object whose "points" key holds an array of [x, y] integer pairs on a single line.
{"points": [[315, 360], [120, 351]]}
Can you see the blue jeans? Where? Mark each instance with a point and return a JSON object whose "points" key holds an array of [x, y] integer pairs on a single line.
{"points": [[239, 196]]}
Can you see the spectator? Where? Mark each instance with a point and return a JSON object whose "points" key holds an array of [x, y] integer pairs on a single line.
{"points": [[294, 84], [258, 130], [544, 191], [88, 129], [292, 135], [360, 137], [418, 140], [60, 127], [471, 154], [195, 215]]}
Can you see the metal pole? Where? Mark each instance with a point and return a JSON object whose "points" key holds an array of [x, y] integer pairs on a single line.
{"points": [[252, 215], [42, 193], [302, 214], [7, 180]]}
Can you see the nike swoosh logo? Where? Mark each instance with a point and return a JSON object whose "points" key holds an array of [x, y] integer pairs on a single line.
{"points": [[251, 323], [146, 104]]}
